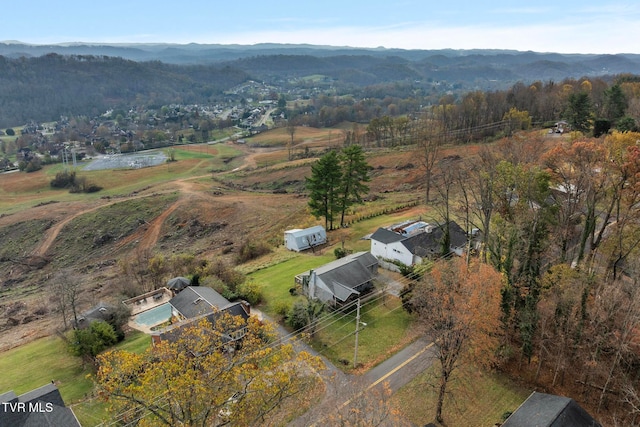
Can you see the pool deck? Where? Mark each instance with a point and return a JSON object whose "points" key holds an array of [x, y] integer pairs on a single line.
{"points": [[139, 305], [149, 302]]}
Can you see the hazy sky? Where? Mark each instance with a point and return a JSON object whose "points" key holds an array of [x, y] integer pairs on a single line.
{"points": [[580, 26]]}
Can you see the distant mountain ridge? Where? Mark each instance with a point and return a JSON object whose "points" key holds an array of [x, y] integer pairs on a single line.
{"points": [[491, 63], [40, 82]]}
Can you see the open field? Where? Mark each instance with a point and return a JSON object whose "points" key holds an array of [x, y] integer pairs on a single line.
{"points": [[207, 203], [476, 398]]}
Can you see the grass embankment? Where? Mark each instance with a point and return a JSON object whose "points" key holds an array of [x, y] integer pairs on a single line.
{"points": [[387, 330], [475, 399], [36, 364]]}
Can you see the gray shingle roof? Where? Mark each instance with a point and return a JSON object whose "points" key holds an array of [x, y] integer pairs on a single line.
{"points": [[44, 408], [343, 276], [423, 244], [386, 236], [194, 301], [172, 333], [548, 410]]}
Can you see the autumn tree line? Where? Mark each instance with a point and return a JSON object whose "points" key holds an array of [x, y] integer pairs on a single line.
{"points": [[588, 105], [556, 260]]}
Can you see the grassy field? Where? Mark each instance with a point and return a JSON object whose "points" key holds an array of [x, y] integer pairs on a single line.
{"points": [[20, 191], [278, 279], [386, 331], [35, 364], [475, 399]]}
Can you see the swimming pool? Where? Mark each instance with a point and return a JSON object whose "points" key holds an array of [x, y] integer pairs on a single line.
{"points": [[154, 316]]}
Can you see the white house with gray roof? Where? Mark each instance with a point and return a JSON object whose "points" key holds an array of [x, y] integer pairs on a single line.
{"points": [[414, 241]]}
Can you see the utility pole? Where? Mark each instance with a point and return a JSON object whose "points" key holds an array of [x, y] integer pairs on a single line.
{"points": [[355, 352]]}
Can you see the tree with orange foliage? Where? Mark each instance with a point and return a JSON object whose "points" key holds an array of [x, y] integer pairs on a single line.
{"points": [[459, 308]]}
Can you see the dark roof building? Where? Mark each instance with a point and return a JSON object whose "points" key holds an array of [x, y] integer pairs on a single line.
{"points": [[100, 312], [195, 303], [427, 245], [42, 407], [412, 242], [178, 283], [340, 280], [548, 410]]}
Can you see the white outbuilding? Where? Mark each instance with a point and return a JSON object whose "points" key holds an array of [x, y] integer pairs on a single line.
{"points": [[300, 239]]}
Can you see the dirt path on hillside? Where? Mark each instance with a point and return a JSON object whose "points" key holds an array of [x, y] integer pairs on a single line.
{"points": [[147, 236], [52, 233]]}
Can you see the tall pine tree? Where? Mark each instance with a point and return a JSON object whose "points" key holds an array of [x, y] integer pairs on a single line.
{"points": [[355, 172], [324, 187]]}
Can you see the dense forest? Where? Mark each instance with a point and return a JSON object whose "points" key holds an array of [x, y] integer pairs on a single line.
{"points": [[41, 83], [46, 87]]}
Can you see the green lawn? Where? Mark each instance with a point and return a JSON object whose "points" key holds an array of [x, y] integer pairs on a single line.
{"points": [[279, 278], [387, 323], [135, 342], [386, 331], [35, 364], [475, 398]]}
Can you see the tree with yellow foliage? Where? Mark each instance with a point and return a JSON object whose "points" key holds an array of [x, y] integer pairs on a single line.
{"points": [[203, 378]]}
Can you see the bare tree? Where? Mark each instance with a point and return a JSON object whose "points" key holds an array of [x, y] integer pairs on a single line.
{"points": [[66, 285], [429, 138], [291, 130]]}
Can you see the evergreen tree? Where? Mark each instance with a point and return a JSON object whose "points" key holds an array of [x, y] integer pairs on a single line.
{"points": [[580, 111], [324, 188], [615, 103], [355, 172]]}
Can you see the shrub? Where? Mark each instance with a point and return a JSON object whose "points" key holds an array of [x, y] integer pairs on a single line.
{"points": [[33, 165], [297, 317], [341, 252], [250, 250], [282, 308], [64, 179], [251, 291], [228, 275], [76, 184], [91, 341]]}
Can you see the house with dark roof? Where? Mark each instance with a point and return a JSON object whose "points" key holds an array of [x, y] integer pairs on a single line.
{"points": [[195, 303], [548, 410], [341, 280], [414, 241], [42, 407], [100, 312]]}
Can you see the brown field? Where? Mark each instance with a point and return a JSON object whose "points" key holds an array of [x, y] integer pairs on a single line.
{"points": [[199, 205]]}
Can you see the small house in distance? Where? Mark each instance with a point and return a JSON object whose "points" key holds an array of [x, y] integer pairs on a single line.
{"points": [[300, 239]]}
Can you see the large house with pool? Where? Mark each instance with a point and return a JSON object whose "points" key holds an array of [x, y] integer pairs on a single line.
{"points": [[195, 303], [163, 314]]}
